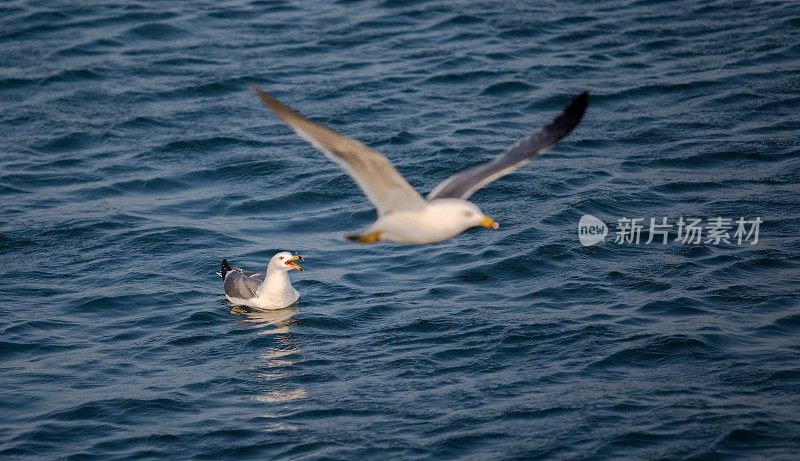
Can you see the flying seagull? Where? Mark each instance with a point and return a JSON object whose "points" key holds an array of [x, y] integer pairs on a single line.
{"points": [[403, 215]]}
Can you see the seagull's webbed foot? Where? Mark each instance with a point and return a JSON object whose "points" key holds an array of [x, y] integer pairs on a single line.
{"points": [[370, 237]]}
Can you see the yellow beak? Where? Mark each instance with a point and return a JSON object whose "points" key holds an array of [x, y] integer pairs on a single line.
{"points": [[490, 223], [291, 263]]}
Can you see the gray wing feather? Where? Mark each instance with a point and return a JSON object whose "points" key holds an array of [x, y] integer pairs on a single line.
{"points": [[239, 285], [463, 184], [245, 272], [380, 181]]}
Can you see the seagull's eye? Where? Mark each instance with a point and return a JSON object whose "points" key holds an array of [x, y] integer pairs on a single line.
{"points": [[468, 214], [281, 258]]}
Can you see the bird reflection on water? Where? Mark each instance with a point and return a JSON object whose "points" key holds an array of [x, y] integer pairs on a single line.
{"points": [[278, 359], [274, 321]]}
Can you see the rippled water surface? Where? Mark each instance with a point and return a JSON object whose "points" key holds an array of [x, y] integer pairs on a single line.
{"points": [[133, 157]]}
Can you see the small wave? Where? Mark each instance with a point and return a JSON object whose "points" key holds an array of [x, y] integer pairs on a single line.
{"points": [[155, 31], [657, 351], [506, 88], [457, 77]]}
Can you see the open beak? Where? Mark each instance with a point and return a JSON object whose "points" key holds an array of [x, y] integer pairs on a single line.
{"points": [[291, 262], [490, 223]]}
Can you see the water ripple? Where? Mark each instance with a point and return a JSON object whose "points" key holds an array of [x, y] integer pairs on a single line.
{"points": [[135, 157]]}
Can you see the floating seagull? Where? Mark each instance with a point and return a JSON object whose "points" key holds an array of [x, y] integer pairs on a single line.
{"points": [[403, 215], [272, 290]]}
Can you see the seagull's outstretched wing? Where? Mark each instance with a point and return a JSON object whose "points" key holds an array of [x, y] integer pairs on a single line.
{"points": [[465, 183], [383, 185]]}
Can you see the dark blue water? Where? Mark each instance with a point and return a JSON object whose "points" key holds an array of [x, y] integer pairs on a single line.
{"points": [[133, 157]]}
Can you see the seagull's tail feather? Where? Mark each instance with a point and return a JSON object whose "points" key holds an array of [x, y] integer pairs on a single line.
{"points": [[224, 268], [366, 238]]}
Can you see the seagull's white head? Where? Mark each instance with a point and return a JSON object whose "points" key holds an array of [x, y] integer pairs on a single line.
{"points": [[463, 214], [285, 261]]}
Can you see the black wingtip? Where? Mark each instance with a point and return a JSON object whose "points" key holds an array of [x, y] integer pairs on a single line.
{"points": [[577, 107], [571, 117], [224, 268], [581, 101]]}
